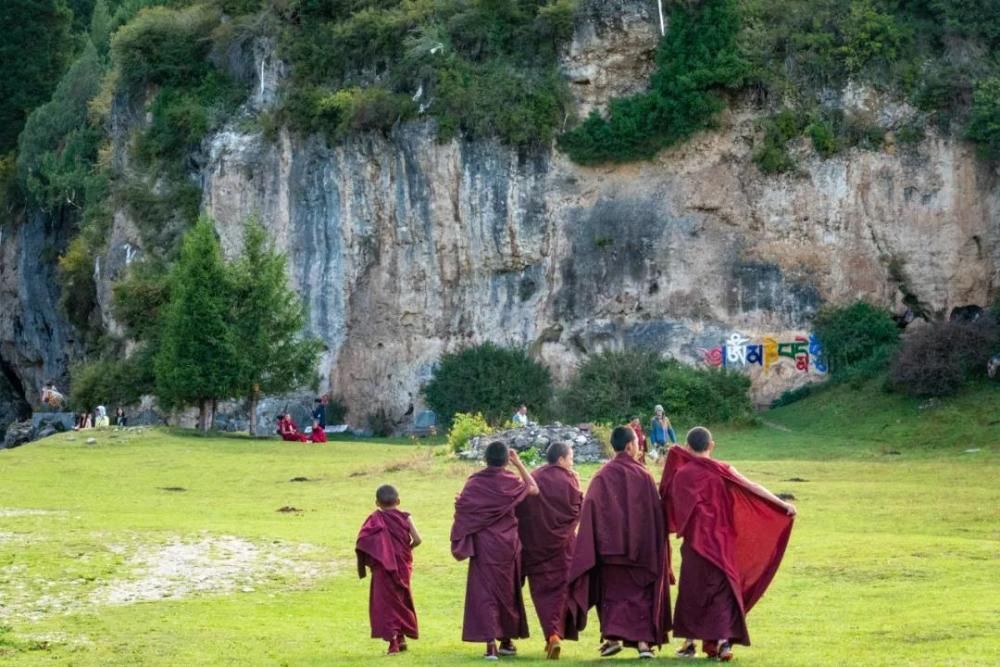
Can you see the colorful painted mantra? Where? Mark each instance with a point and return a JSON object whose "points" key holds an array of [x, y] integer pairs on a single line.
{"points": [[740, 351]]}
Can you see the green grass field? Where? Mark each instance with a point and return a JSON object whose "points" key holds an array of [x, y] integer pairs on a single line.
{"points": [[104, 561]]}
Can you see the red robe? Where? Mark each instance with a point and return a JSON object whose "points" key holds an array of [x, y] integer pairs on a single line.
{"points": [[384, 546], [485, 532], [317, 435], [643, 442], [547, 526], [619, 560], [733, 544], [289, 431]]}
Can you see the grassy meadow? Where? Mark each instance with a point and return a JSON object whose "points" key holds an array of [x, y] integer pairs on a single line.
{"points": [[167, 548]]}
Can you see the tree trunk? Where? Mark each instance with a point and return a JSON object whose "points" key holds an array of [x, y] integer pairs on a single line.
{"points": [[215, 409], [202, 414], [253, 412]]}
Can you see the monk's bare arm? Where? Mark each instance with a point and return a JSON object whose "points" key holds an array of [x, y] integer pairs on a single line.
{"points": [[529, 481], [414, 535], [764, 493]]}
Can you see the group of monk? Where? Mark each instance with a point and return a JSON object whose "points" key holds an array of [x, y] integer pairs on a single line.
{"points": [[607, 548], [289, 430]]}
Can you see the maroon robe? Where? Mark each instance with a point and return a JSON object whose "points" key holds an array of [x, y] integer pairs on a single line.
{"points": [[547, 526], [485, 532], [289, 431], [733, 544], [384, 546], [619, 561], [318, 434]]}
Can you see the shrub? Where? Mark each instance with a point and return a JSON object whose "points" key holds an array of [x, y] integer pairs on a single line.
{"points": [[612, 386], [464, 427], [381, 423], [772, 157], [489, 379], [164, 46], [824, 140], [984, 122], [111, 382], [939, 359], [603, 434], [698, 55], [856, 338], [795, 395], [704, 395]]}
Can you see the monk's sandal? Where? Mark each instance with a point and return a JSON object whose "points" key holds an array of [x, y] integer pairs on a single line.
{"points": [[609, 649], [507, 649], [687, 651], [725, 652], [491, 652]]}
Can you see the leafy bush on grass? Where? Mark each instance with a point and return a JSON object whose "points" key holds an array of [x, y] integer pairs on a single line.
{"points": [[939, 359], [613, 386], [858, 338], [464, 427], [489, 379], [697, 57]]}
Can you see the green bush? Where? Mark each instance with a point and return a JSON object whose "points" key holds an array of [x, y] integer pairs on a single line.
{"points": [[700, 396], [824, 140], [111, 382], [772, 157], [162, 46], [611, 387], [464, 427], [698, 56], [489, 379], [858, 339], [984, 122]]}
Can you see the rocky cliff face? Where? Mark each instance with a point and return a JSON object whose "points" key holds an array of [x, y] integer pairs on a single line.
{"points": [[405, 248]]}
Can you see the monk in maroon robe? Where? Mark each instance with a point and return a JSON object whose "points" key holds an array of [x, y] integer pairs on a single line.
{"points": [[619, 559], [385, 546], [289, 431], [735, 533], [317, 434], [547, 526], [636, 426], [485, 532]]}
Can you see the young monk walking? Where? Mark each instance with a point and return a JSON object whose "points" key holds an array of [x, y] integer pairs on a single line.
{"points": [[547, 526], [385, 546], [735, 533], [485, 532], [619, 559]]}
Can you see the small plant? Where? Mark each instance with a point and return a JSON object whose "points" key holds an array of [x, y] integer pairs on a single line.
{"points": [[532, 458], [464, 427], [602, 433]]}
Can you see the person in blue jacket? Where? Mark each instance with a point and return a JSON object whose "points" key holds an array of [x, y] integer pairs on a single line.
{"points": [[660, 430]]}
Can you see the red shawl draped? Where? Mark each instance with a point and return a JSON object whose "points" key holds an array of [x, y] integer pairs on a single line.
{"points": [[384, 546], [547, 522]]}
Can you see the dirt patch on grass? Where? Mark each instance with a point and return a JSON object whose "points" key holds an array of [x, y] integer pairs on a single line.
{"points": [[6, 512], [211, 564], [175, 489], [288, 509]]}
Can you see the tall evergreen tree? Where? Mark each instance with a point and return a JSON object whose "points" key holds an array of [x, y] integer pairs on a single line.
{"points": [[268, 322], [197, 363]]}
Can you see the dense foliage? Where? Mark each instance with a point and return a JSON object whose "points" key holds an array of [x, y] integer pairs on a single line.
{"points": [[489, 379], [481, 68], [613, 386], [464, 427], [858, 339], [938, 359]]}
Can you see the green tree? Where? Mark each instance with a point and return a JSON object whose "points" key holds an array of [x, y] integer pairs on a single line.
{"points": [[984, 121], [489, 379], [268, 321], [197, 362], [34, 51]]}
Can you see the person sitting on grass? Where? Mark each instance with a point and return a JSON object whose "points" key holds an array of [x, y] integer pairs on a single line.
{"points": [[735, 532], [317, 434], [288, 430], [385, 546], [485, 532]]}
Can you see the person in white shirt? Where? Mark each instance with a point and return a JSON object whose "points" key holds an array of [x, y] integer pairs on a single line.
{"points": [[520, 417]]}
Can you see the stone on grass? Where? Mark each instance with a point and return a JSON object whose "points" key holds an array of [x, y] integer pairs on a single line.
{"points": [[586, 448], [18, 434], [91, 441]]}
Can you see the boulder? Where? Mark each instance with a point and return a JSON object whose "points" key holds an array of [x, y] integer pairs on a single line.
{"points": [[18, 434], [586, 448], [58, 421]]}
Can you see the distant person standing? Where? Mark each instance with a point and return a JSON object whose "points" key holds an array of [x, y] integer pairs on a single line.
{"points": [[120, 418], [319, 413], [641, 437], [520, 417], [660, 430]]}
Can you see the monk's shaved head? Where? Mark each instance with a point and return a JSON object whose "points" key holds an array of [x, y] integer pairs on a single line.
{"points": [[496, 454], [699, 438], [620, 437], [387, 496], [556, 451]]}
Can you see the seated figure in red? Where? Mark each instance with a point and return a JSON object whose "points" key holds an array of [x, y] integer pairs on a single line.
{"points": [[288, 430], [317, 434]]}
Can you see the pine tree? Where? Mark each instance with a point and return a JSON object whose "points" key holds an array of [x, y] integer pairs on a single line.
{"points": [[198, 359], [268, 322]]}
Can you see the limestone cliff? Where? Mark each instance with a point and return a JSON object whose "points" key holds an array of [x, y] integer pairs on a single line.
{"points": [[405, 248]]}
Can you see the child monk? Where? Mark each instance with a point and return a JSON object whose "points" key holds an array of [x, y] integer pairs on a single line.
{"points": [[317, 434], [385, 545], [619, 558], [547, 526], [735, 533], [485, 532], [636, 426]]}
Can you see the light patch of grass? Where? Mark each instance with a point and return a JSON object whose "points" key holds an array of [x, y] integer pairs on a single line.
{"points": [[893, 559]]}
